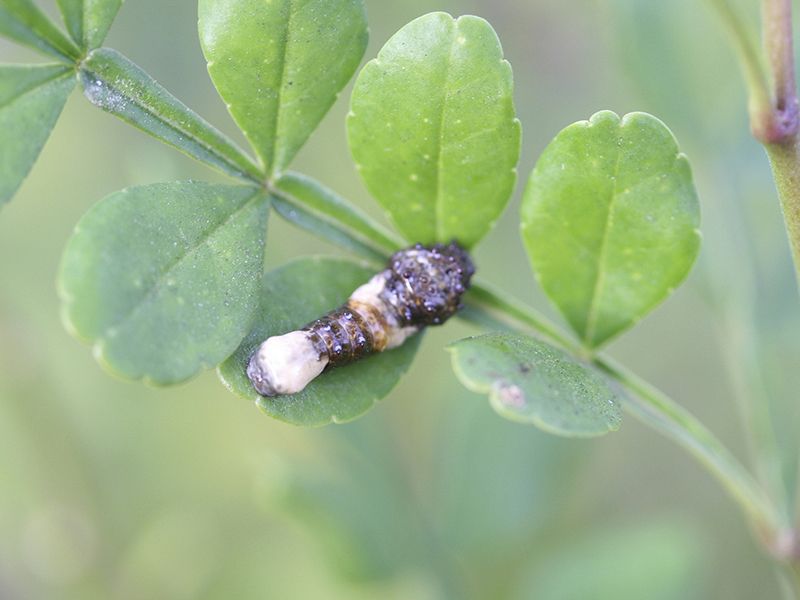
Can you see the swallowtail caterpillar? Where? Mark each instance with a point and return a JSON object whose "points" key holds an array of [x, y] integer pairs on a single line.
{"points": [[420, 286]]}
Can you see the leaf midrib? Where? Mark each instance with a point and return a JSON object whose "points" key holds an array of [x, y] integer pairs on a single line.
{"points": [[276, 122], [147, 296], [591, 320], [438, 208]]}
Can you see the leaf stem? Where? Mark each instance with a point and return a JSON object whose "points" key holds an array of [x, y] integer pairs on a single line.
{"points": [[114, 83], [785, 119], [483, 296], [774, 114], [785, 162], [645, 402], [779, 131], [654, 408], [753, 69]]}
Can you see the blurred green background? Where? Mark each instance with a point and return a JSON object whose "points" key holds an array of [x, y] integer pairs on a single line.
{"points": [[116, 490]]}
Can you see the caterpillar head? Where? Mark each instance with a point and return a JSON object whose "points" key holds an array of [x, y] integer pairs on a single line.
{"points": [[426, 283]]}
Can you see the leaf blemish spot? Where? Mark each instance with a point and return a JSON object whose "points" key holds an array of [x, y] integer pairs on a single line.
{"points": [[511, 395]]}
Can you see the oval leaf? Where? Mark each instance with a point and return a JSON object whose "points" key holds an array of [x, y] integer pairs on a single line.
{"points": [[610, 220], [532, 382], [433, 131], [88, 21], [115, 84], [280, 65], [31, 98], [297, 294], [163, 279]]}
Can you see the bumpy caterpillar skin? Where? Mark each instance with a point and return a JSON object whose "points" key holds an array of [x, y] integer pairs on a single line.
{"points": [[421, 286]]}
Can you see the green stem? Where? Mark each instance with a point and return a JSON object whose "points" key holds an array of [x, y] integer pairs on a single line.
{"points": [[785, 163], [658, 410], [483, 296], [777, 19], [654, 408], [323, 211], [741, 352], [734, 293], [648, 404], [746, 47], [781, 139]]}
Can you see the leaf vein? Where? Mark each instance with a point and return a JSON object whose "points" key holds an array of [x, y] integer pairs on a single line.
{"points": [[148, 295], [276, 123], [439, 153], [591, 319]]}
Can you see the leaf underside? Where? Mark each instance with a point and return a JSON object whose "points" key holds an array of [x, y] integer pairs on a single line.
{"points": [[610, 221], [291, 297], [532, 382], [118, 86]]}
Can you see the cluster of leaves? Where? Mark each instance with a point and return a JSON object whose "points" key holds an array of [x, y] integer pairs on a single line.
{"points": [[165, 280]]}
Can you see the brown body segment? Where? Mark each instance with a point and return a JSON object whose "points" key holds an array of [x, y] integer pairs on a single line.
{"points": [[348, 333]]}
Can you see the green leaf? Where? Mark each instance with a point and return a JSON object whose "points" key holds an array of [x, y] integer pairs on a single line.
{"points": [[297, 294], [31, 98], [532, 382], [280, 65], [163, 279], [88, 21], [310, 196], [610, 221], [433, 131], [115, 84], [72, 11], [23, 22]]}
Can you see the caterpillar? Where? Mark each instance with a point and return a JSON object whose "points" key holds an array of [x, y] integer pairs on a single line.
{"points": [[420, 286]]}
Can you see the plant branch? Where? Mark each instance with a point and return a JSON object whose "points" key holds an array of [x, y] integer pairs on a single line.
{"points": [[323, 211], [734, 291], [645, 402], [785, 162], [115, 84], [777, 18], [654, 408], [774, 115], [746, 47], [780, 132]]}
